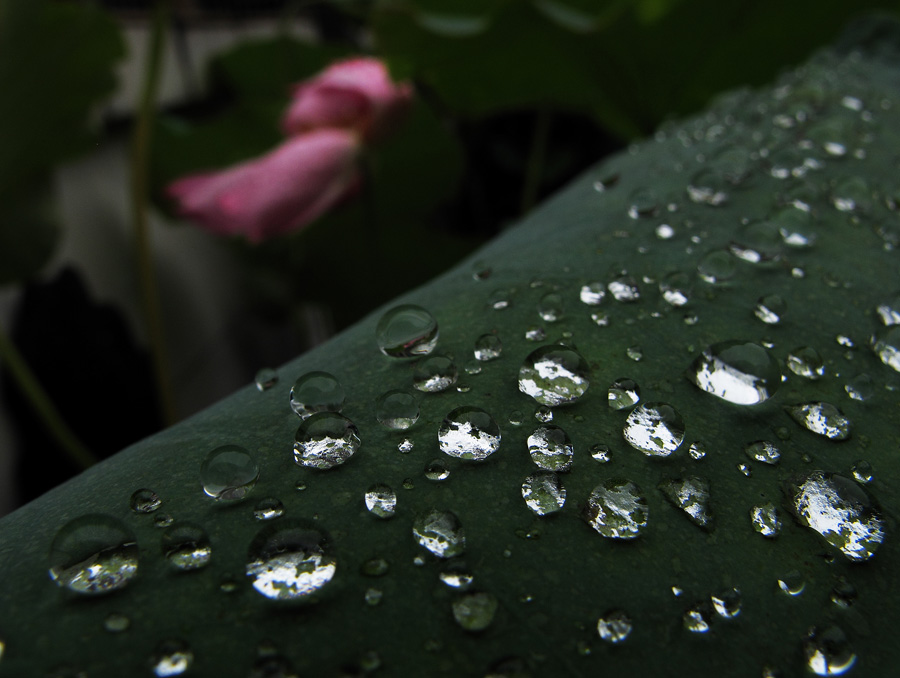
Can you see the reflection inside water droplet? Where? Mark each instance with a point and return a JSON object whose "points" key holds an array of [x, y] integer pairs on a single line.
{"points": [[186, 547], [435, 374], [440, 532], [554, 375], [550, 448], [488, 347], [316, 392], [469, 433], [325, 440], [171, 658], [828, 651], [614, 626], [543, 493], [617, 509], [656, 429], [289, 561], [397, 410], [145, 501], [740, 372], [228, 473], [406, 331], [93, 555], [381, 501]]}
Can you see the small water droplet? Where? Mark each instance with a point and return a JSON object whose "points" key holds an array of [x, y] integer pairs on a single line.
{"points": [[806, 362], [763, 451], [475, 611], [268, 508], [644, 203], [406, 446], [592, 294], [792, 583], [381, 501], [600, 452], [93, 555], [228, 473], [266, 378], [861, 387], [696, 619], [656, 429], [397, 410], [745, 470], [375, 567], [469, 433], [186, 547], [727, 604], [617, 509], [550, 308], [707, 187], [770, 309], [289, 561], [664, 232], [765, 520], [554, 375], [716, 267], [614, 626], [821, 418], [828, 651], [697, 450], [543, 492], [862, 472], [535, 333], [551, 448], [145, 501], [437, 471], [516, 418], [691, 495], [676, 288], [440, 532], [406, 331], [171, 658], [886, 344], [316, 392], [488, 347], [456, 576], [624, 288], [435, 374], [373, 596], [600, 319], [889, 311], [740, 372], [843, 593], [623, 393], [114, 623], [325, 440]]}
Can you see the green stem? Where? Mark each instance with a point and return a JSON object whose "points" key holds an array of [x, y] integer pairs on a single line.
{"points": [[535, 165], [140, 198], [43, 406]]}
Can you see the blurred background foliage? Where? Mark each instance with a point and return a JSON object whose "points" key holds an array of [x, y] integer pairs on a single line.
{"points": [[514, 99]]}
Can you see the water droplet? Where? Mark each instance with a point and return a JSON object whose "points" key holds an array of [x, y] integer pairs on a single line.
{"points": [[697, 450], [664, 232], [691, 495], [475, 611], [406, 446], [488, 347], [886, 345], [469, 433], [437, 470], [593, 293], [228, 473], [696, 620], [843, 593], [624, 288], [676, 288], [600, 319], [889, 311], [635, 353], [806, 362], [821, 418], [852, 195], [145, 501], [406, 331], [554, 375], [481, 271], [375, 567], [325, 440], [792, 583], [114, 623], [740, 372], [770, 309], [186, 547], [759, 242], [707, 187], [617, 509], [716, 267], [397, 410], [600, 452], [316, 392], [500, 299], [828, 651], [266, 378], [93, 554], [839, 510], [289, 561], [373, 596], [268, 508], [728, 604], [543, 492], [764, 451], [381, 501], [861, 387], [551, 448], [623, 393], [516, 418], [765, 520], [435, 374], [644, 203], [862, 472], [656, 429], [550, 308], [535, 333], [171, 658], [440, 532], [614, 626]]}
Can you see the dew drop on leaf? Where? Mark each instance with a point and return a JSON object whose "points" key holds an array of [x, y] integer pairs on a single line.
{"points": [[171, 658], [617, 509], [551, 448], [488, 347], [440, 532], [228, 473], [381, 501], [475, 611], [397, 410], [543, 493], [316, 392], [435, 374], [469, 433], [145, 501], [828, 651], [406, 331], [289, 561], [268, 508], [186, 547], [614, 626], [740, 372], [93, 555], [656, 429], [554, 375], [265, 379], [325, 440]]}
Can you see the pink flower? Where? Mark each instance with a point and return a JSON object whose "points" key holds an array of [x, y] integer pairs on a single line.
{"points": [[354, 94], [277, 193]]}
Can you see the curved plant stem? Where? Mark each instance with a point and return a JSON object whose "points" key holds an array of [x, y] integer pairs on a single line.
{"points": [[139, 205], [43, 406], [535, 165]]}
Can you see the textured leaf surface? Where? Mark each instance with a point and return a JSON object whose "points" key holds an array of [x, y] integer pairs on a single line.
{"points": [[553, 576]]}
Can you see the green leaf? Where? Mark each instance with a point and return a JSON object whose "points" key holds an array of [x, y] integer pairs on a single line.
{"points": [[554, 576]]}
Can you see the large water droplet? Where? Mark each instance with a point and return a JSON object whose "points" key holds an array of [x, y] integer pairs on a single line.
{"points": [[171, 658], [765, 520], [289, 561], [828, 651], [325, 440], [886, 345], [145, 501], [543, 492], [406, 331], [475, 611], [617, 509], [228, 473], [397, 410], [839, 510], [656, 429], [93, 554], [554, 375], [821, 418], [763, 451], [614, 626], [691, 495], [551, 448], [435, 374], [488, 347], [186, 546], [469, 433], [623, 393], [440, 532], [316, 392], [381, 501], [740, 372]]}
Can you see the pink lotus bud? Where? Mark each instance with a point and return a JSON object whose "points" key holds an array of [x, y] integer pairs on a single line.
{"points": [[279, 192], [356, 93]]}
